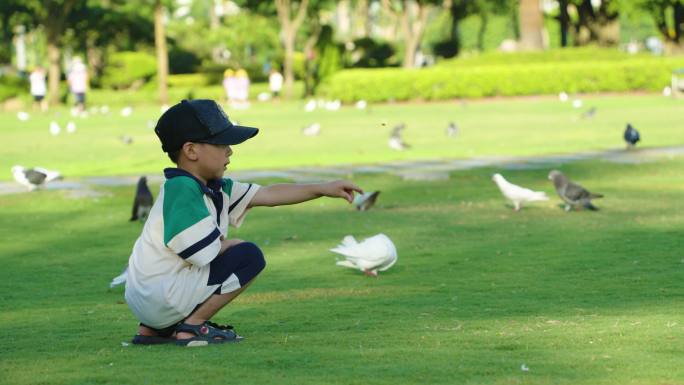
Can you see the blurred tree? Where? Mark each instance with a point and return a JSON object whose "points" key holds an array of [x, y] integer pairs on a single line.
{"points": [[598, 24], [52, 16], [412, 17], [162, 52], [531, 25], [669, 18]]}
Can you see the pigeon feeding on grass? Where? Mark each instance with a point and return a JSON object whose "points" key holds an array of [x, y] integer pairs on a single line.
{"points": [[365, 201], [395, 141], [516, 194], [23, 116], [35, 177], [143, 201], [571, 193], [312, 130], [55, 128], [590, 113], [631, 136], [452, 129], [373, 254], [71, 127]]}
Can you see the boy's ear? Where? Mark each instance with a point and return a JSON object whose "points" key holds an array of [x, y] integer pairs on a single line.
{"points": [[189, 150]]}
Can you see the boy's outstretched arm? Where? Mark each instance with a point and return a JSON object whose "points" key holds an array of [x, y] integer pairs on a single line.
{"points": [[287, 194]]}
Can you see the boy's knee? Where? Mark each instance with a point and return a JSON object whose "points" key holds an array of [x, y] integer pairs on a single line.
{"points": [[254, 253]]}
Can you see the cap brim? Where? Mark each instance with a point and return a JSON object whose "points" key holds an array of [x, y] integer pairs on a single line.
{"points": [[233, 135]]}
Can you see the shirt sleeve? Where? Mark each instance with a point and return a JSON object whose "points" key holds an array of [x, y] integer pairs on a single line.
{"points": [[189, 229], [240, 196]]}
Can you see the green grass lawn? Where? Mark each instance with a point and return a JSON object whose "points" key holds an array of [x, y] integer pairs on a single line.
{"points": [[528, 126], [478, 291]]}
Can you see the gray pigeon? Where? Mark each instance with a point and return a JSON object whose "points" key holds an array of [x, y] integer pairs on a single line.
{"points": [[363, 202], [589, 113], [571, 193], [631, 136], [34, 177], [396, 142], [452, 129], [142, 204]]}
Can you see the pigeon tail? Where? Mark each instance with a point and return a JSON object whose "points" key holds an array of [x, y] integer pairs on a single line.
{"points": [[591, 207]]}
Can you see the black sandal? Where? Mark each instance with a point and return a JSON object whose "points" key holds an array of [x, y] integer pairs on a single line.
{"points": [[206, 333], [164, 336]]}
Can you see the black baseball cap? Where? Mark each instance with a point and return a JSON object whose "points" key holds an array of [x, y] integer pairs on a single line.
{"points": [[199, 120]]}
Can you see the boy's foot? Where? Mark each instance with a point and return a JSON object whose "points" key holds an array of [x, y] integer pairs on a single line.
{"points": [[150, 336], [205, 334]]}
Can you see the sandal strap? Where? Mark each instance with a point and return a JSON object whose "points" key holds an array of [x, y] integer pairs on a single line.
{"points": [[206, 331]]}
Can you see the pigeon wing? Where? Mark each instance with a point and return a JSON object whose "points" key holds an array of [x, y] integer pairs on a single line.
{"points": [[34, 176]]}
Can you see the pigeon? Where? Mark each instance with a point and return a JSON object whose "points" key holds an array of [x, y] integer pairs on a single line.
{"points": [[142, 203], [563, 97], [571, 193], [361, 104], [126, 139], [631, 136], [264, 96], [589, 113], [55, 128], [104, 109], [310, 105], [395, 141], [312, 130], [577, 103], [516, 194], [667, 91], [373, 254], [126, 111], [71, 127], [364, 201], [333, 105], [119, 279], [35, 177], [23, 116], [452, 129]]}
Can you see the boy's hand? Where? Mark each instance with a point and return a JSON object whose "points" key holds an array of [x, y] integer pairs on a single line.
{"points": [[340, 189]]}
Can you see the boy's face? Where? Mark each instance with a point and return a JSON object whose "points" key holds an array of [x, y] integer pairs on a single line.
{"points": [[212, 160]]}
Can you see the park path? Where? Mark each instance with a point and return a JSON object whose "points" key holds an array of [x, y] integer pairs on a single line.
{"points": [[425, 170]]}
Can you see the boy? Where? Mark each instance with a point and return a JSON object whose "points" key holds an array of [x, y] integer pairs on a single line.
{"points": [[183, 269]]}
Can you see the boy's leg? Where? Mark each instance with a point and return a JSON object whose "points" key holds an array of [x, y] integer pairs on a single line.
{"points": [[235, 270]]}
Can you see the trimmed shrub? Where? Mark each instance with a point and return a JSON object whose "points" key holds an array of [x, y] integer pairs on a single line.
{"points": [[447, 82], [11, 86], [128, 69]]}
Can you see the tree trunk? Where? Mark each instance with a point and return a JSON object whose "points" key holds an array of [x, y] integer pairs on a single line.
{"points": [[564, 21], [412, 31], [531, 25], [363, 24], [53, 67], [484, 20], [162, 53], [289, 29]]}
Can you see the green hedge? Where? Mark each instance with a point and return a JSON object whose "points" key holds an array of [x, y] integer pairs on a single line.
{"points": [[443, 82], [11, 86], [126, 69]]}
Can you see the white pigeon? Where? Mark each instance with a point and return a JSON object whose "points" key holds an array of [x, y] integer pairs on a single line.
{"points": [[126, 111], [104, 109], [312, 130], [32, 178], [119, 279], [577, 103], [310, 105], [563, 97], [333, 105], [365, 201], [373, 254], [516, 194], [71, 127], [396, 143], [667, 91], [55, 128], [361, 104], [23, 116], [263, 96]]}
